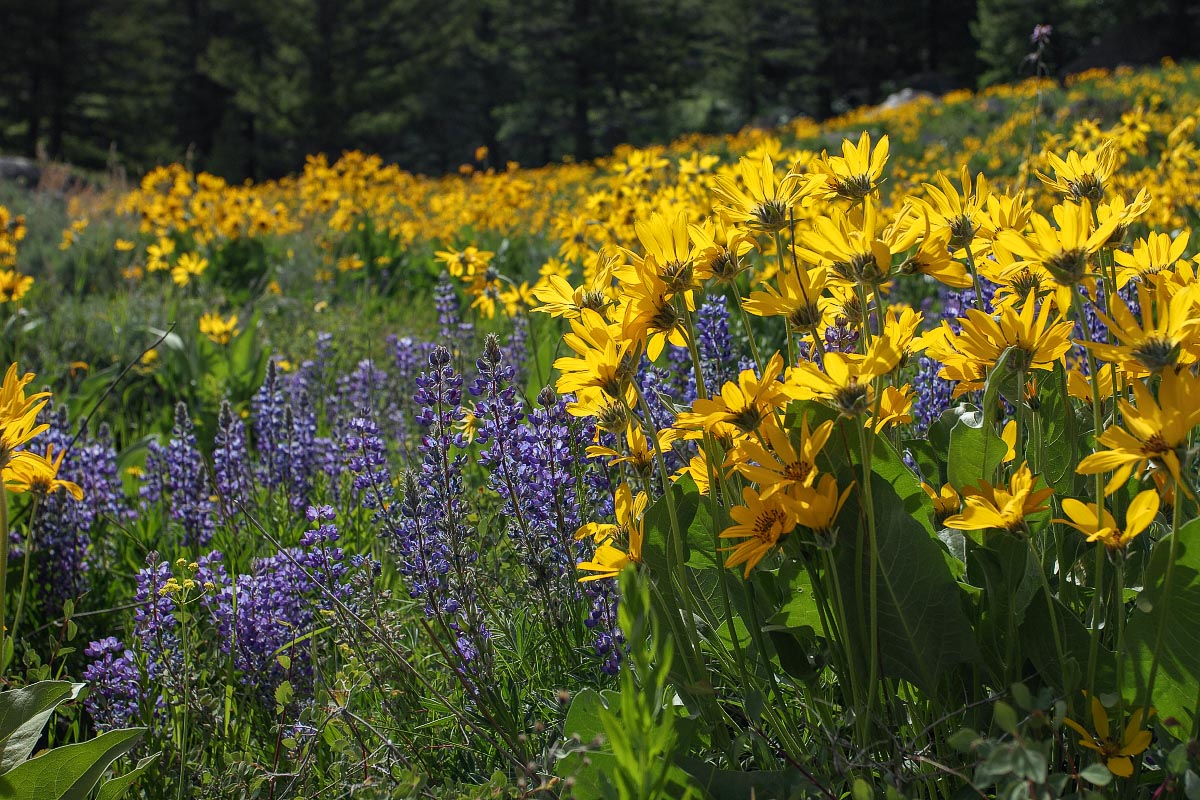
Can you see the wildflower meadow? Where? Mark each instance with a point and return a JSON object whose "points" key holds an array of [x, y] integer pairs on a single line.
{"points": [[842, 459]]}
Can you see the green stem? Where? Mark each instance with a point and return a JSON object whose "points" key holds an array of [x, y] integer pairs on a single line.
{"points": [[1098, 489], [873, 564], [1176, 520], [3, 571], [29, 545]]}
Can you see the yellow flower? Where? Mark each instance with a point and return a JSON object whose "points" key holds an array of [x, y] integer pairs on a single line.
{"points": [[668, 251], [350, 263], [946, 502], [1002, 506], [846, 381], [1064, 251], [774, 463], [219, 330], [856, 173], [123, 245], [960, 215], [967, 356], [30, 472], [720, 247], [1082, 178], [760, 522], [13, 285], [604, 359], [740, 407], [817, 508], [189, 265], [609, 560], [1155, 343], [1141, 512], [1154, 433], [465, 264], [851, 246], [763, 205], [797, 300], [1116, 754], [1157, 253], [638, 452], [158, 253], [649, 315], [895, 408]]}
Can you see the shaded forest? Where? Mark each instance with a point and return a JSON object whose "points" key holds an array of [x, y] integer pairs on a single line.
{"points": [[247, 88]]}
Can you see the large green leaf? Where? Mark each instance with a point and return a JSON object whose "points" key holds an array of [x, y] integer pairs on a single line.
{"points": [[116, 788], [1007, 572], [69, 772], [1165, 619], [23, 714], [923, 629], [1056, 450], [975, 451]]}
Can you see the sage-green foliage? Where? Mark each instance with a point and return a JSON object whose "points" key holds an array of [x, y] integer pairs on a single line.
{"points": [[68, 772]]}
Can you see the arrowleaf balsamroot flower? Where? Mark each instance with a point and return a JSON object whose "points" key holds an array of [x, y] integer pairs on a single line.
{"points": [[218, 329], [846, 382], [1064, 251], [609, 560], [1116, 754], [1141, 512], [1158, 341], [853, 175], [775, 463], [1082, 177], [760, 522], [798, 299], [1154, 433], [30, 472], [967, 356], [740, 407], [764, 204], [1003, 506]]}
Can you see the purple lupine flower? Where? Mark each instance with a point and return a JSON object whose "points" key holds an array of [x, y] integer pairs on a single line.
{"points": [[454, 331], [175, 476], [284, 432], [433, 539], [715, 344], [678, 381], [231, 464], [516, 349], [932, 394], [365, 457], [154, 621], [321, 556], [274, 609], [115, 684]]}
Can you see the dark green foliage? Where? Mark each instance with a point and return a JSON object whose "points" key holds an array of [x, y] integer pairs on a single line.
{"points": [[248, 89]]}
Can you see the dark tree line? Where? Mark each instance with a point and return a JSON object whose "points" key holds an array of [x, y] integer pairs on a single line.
{"points": [[246, 88]]}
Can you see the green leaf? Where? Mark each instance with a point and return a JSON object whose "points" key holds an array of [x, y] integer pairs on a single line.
{"points": [[923, 630], [23, 714], [1097, 774], [1058, 445], [1164, 619], [117, 787], [69, 772], [975, 451], [1005, 717]]}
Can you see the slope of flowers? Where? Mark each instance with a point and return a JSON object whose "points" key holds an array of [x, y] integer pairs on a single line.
{"points": [[854, 459]]}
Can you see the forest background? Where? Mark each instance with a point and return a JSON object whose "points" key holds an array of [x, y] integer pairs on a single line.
{"points": [[246, 89]]}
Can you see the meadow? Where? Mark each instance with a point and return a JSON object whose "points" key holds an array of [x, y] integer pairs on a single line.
{"points": [[842, 459]]}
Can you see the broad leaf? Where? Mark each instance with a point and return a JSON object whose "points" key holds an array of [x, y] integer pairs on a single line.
{"points": [[1056, 451], [23, 714], [69, 772], [923, 630], [1164, 619], [975, 451], [119, 786]]}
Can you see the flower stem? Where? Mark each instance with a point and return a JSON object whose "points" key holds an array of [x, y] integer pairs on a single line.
{"points": [[866, 443], [29, 545]]}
